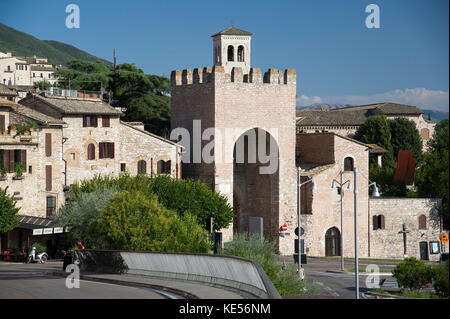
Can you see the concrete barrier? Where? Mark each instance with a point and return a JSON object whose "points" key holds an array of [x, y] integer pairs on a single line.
{"points": [[229, 272]]}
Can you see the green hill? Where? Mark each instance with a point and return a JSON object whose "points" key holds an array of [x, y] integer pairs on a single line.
{"points": [[22, 44]]}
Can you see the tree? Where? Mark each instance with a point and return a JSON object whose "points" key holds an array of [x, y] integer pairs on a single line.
{"points": [[136, 221], [432, 178], [405, 136], [9, 218], [375, 130], [81, 211], [145, 96]]}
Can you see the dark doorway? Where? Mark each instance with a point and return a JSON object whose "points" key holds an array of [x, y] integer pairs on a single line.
{"points": [[332, 242], [423, 246]]}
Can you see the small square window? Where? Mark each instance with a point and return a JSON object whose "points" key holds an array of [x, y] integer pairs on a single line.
{"points": [[30, 169], [123, 167], [72, 155]]}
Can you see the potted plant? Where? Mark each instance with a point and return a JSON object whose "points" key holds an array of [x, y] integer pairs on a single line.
{"points": [[13, 129], [18, 167], [32, 126], [3, 173]]}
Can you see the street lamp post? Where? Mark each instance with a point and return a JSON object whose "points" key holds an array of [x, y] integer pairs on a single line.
{"points": [[299, 221], [341, 185], [355, 191]]}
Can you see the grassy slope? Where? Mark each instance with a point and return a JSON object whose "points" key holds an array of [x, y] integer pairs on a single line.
{"points": [[22, 44]]}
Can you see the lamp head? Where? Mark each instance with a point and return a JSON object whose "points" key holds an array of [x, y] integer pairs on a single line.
{"points": [[314, 186], [349, 186], [375, 192], [333, 185]]}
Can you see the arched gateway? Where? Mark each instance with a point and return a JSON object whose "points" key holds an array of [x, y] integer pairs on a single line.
{"points": [[244, 99]]}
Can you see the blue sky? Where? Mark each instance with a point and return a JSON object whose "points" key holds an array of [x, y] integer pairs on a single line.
{"points": [[337, 58]]}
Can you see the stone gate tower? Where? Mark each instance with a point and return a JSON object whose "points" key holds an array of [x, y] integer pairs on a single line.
{"points": [[229, 113]]}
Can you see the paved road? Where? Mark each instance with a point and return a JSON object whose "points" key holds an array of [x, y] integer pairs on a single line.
{"points": [[28, 281], [324, 273]]}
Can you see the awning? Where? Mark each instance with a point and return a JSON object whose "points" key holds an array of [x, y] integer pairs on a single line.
{"points": [[40, 225]]}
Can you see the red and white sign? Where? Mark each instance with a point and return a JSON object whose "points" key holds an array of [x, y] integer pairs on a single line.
{"points": [[284, 228]]}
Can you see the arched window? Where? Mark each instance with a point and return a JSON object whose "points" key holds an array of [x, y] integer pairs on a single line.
{"points": [[348, 164], [241, 53], [422, 222], [91, 152], [230, 53], [142, 167]]}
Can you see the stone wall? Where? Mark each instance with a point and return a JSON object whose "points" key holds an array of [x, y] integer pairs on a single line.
{"points": [[388, 242], [233, 101], [326, 212]]}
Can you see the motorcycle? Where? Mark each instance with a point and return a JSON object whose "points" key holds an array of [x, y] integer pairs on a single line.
{"points": [[34, 256]]}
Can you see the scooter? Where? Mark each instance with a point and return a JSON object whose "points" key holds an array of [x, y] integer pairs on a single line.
{"points": [[33, 256]]}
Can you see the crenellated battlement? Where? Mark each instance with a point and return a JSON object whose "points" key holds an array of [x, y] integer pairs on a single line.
{"points": [[217, 74]]}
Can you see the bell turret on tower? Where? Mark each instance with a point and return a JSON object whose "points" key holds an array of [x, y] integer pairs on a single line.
{"points": [[231, 48]]}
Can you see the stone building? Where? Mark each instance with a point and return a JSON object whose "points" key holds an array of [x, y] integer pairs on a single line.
{"points": [[71, 139], [346, 121], [229, 115]]}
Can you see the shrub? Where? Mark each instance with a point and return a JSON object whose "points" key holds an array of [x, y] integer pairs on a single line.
{"points": [[288, 282], [136, 221], [81, 211], [182, 196], [252, 247], [412, 274], [264, 252], [440, 279], [39, 247]]}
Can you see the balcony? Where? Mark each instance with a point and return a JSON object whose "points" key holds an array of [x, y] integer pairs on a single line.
{"points": [[83, 94]]}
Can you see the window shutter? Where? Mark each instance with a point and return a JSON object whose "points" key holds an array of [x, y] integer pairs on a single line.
{"points": [[422, 222], [23, 159], [375, 222], [381, 222], [111, 150], [48, 177], [95, 121], [105, 121], [11, 161], [100, 150], [48, 144], [2, 123], [85, 121]]}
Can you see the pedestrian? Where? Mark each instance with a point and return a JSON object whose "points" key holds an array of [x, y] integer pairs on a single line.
{"points": [[80, 245]]}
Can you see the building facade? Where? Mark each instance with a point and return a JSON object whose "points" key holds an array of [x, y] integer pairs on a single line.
{"points": [[67, 140], [346, 121]]}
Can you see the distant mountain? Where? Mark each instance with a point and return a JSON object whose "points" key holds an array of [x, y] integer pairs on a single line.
{"points": [[23, 44], [436, 116], [319, 106]]}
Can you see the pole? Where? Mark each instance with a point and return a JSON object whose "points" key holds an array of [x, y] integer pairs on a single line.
{"points": [[299, 222], [342, 223], [356, 233]]}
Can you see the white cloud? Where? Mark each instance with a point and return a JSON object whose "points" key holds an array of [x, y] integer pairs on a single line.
{"points": [[421, 97]]}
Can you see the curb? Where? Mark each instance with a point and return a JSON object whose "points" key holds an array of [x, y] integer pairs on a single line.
{"points": [[185, 294], [386, 295]]}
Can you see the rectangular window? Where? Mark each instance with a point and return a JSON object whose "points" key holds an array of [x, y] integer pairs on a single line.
{"points": [[51, 206], [30, 169], [106, 150], [9, 158], [89, 121], [105, 121], [123, 167], [48, 177], [48, 144]]}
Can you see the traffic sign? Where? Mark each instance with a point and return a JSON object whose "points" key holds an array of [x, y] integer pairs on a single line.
{"points": [[284, 228], [302, 231]]}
